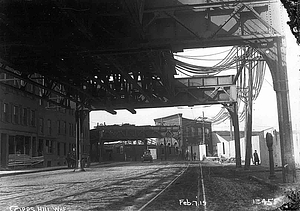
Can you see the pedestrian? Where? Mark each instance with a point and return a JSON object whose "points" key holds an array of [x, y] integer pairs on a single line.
{"points": [[194, 155], [256, 159], [68, 159], [187, 155]]}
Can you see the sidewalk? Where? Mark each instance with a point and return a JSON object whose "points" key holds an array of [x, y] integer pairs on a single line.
{"points": [[53, 168], [261, 174]]}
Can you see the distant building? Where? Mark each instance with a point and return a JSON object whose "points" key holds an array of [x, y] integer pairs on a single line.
{"points": [[126, 142], [34, 132], [225, 147], [194, 139]]}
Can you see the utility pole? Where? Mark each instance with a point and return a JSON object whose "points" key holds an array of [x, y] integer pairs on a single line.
{"points": [[101, 132], [79, 117], [203, 134], [203, 128], [248, 125]]}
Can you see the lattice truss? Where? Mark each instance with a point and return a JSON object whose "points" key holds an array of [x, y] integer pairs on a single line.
{"points": [[113, 54]]}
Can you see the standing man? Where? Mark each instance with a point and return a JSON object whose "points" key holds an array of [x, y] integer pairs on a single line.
{"points": [[256, 159], [194, 155]]}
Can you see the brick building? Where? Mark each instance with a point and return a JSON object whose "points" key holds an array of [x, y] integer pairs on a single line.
{"points": [[191, 139], [33, 129]]}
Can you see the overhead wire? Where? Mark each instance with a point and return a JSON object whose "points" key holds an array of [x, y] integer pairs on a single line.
{"points": [[237, 56]]}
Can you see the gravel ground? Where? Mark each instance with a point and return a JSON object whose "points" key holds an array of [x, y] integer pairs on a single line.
{"points": [[130, 186], [100, 188], [224, 189]]}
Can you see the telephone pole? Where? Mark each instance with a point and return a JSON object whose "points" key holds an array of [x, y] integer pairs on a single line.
{"points": [[248, 123]]}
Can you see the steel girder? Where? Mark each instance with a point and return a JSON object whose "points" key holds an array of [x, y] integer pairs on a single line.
{"points": [[131, 132], [118, 54]]}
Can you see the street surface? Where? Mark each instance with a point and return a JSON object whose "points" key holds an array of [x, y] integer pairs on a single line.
{"points": [[202, 186]]}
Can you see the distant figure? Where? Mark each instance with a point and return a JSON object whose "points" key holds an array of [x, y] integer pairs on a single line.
{"points": [[256, 159], [71, 161], [194, 155], [187, 155], [110, 156]]}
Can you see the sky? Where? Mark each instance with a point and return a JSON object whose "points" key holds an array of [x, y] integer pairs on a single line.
{"points": [[264, 108]]}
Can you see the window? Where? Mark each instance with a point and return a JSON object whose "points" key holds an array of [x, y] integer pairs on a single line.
{"points": [[40, 147], [65, 127], [199, 131], [187, 131], [40, 94], [193, 131], [49, 127], [49, 146], [58, 127], [5, 112], [70, 129], [32, 118], [41, 125], [24, 116], [65, 149], [58, 148], [16, 114]]}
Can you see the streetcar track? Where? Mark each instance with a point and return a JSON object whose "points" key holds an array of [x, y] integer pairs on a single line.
{"points": [[26, 194], [201, 176], [70, 184], [98, 187], [157, 195], [44, 191]]}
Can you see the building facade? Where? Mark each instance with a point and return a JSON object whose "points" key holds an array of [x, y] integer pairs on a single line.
{"points": [[224, 146], [194, 141], [32, 131]]}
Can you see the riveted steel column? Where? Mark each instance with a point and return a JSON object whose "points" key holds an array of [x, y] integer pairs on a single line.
{"points": [[233, 111], [284, 117], [235, 120]]}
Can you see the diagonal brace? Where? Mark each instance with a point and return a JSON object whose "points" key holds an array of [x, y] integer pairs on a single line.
{"points": [[130, 79]]}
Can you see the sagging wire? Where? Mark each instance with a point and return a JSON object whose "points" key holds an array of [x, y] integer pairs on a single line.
{"points": [[227, 63], [190, 56], [236, 55], [258, 67]]}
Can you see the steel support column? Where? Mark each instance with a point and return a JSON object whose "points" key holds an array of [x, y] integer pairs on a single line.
{"points": [[280, 80], [79, 119], [233, 111]]}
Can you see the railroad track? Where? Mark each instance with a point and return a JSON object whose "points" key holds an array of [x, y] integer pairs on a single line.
{"points": [[163, 190], [101, 188]]}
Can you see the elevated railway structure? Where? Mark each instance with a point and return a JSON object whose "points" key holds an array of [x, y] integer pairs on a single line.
{"points": [[118, 54], [129, 133]]}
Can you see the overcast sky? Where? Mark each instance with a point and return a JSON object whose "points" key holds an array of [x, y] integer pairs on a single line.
{"points": [[264, 108]]}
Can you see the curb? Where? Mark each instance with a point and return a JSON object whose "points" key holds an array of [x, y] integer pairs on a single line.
{"points": [[51, 169], [34, 171]]}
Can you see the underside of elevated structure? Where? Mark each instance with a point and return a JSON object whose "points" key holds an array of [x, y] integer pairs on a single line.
{"points": [[118, 54], [108, 55]]}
